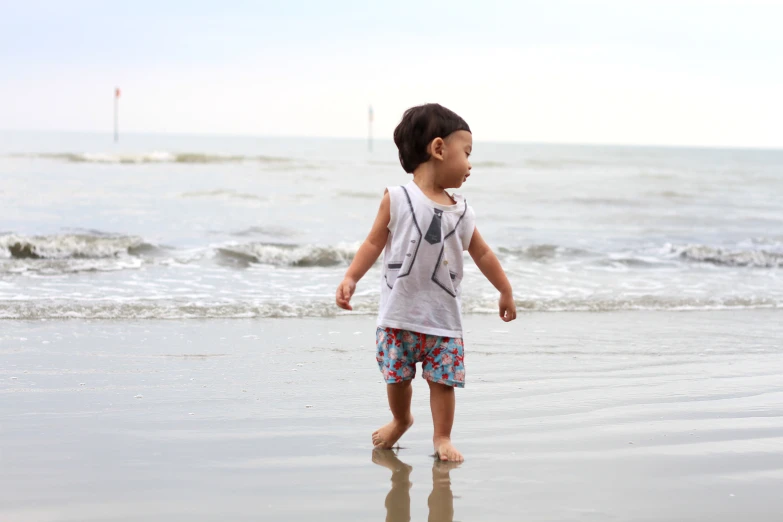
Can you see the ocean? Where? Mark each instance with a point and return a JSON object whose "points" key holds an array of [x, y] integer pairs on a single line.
{"points": [[170, 348], [177, 227]]}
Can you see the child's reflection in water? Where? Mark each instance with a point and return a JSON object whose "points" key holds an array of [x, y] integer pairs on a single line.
{"points": [[398, 501]]}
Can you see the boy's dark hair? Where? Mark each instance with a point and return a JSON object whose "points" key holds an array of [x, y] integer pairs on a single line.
{"points": [[419, 126]]}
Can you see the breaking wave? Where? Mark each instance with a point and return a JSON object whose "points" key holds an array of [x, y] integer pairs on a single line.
{"points": [[96, 245], [542, 252], [243, 254], [156, 157], [73, 246], [32, 251], [754, 254], [749, 257]]}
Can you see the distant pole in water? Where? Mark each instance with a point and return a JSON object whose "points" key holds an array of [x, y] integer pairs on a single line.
{"points": [[369, 129], [116, 114]]}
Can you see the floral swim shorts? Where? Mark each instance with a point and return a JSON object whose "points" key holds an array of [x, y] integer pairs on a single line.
{"points": [[442, 358]]}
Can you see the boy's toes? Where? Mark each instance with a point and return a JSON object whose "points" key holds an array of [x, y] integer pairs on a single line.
{"points": [[446, 451], [386, 436]]}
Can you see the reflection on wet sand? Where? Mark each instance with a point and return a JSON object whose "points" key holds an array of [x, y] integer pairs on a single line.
{"points": [[398, 501], [441, 501]]}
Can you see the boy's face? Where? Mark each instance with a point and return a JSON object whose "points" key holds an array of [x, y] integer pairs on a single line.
{"points": [[456, 166]]}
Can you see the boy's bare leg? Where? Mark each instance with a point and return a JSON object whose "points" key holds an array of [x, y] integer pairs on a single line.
{"points": [[399, 395], [442, 404]]}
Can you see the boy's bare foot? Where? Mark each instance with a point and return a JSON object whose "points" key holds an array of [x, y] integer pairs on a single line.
{"points": [[445, 450], [387, 436]]}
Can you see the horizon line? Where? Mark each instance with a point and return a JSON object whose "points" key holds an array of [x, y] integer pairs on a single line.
{"points": [[759, 148]]}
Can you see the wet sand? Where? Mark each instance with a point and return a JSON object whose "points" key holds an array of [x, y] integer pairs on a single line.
{"points": [[637, 416]]}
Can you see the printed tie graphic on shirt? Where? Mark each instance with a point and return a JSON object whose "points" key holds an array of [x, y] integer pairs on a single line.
{"points": [[433, 236]]}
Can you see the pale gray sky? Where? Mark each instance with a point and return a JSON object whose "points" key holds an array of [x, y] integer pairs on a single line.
{"points": [[663, 72]]}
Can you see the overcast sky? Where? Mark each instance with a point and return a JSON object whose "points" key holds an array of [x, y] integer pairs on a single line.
{"points": [[680, 72]]}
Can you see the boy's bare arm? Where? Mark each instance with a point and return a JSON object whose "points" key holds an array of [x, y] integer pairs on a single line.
{"points": [[366, 255], [489, 265]]}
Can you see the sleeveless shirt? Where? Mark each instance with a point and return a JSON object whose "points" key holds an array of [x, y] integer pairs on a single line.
{"points": [[422, 263]]}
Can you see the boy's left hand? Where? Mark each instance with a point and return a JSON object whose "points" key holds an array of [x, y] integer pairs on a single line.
{"points": [[508, 309]]}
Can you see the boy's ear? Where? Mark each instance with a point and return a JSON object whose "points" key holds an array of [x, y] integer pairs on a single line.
{"points": [[436, 148]]}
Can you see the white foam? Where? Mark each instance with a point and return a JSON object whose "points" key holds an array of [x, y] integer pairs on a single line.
{"points": [[166, 308], [293, 255], [66, 246]]}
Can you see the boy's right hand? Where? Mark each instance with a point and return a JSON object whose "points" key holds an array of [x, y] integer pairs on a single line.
{"points": [[508, 308], [345, 291]]}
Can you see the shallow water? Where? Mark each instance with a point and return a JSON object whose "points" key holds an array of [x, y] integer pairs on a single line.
{"points": [[199, 226], [633, 416]]}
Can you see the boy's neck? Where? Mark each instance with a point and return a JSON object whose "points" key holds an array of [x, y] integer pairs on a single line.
{"points": [[424, 177]]}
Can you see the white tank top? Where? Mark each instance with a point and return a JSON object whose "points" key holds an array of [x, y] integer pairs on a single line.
{"points": [[422, 263]]}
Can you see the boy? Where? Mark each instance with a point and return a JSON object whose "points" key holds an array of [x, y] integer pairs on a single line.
{"points": [[424, 231]]}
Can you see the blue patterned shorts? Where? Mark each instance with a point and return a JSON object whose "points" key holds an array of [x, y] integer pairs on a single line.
{"points": [[442, 358]]}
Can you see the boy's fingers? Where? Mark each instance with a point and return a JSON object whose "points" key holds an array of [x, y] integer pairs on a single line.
{"points": [[343, 297]]}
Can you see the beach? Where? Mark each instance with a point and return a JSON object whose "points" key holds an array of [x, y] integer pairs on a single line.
{"points": [[184, 187], [170, 348], [633, 416]]}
